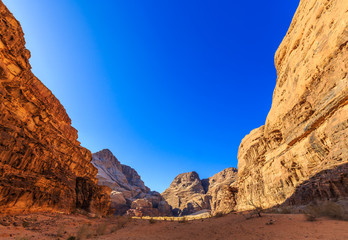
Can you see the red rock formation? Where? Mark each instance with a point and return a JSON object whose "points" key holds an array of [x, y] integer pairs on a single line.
{"points": [[129, 193], [301, 153], [42, 165], [188, 194]]}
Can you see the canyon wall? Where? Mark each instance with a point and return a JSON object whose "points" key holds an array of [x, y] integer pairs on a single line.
{"points": [[301, 153], [42, 165], [189, 194], [129, 194]]}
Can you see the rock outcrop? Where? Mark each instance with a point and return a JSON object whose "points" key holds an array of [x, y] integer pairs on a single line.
{"points": [[42, 165], [222, 190], [188, 194], [301, 153], [129, 193]]}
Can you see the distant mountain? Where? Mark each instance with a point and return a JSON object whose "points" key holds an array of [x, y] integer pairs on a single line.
{"points": [[188, 194], [129, 194]]}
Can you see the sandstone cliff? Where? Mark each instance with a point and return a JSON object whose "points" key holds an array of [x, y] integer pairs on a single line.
{"points": [[301, 153], [42, 165], [188, 194], [129, 193]]}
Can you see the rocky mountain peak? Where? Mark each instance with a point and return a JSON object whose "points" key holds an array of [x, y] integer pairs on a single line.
{"points": [[188, 193], [129, 195], [106, 156], [189, 181]]}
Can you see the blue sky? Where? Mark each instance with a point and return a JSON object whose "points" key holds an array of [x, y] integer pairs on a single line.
{"points": [[168, 86]]}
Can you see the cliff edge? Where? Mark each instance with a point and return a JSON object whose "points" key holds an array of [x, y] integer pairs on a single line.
{"points": [[42, 165], [301, 153]]}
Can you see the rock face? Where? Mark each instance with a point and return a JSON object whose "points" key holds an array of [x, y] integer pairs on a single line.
{"points": [[42, 165], [301, 153], [188, 194], [129, 193], [221, 189]]}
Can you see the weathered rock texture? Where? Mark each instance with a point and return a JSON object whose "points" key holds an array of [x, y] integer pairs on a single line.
{"points": [[42, 165], [129, 193], [188, 194], [221, 189], [302, 151]]}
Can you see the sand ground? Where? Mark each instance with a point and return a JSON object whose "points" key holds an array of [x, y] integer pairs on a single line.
{"points": [[232, 226]]}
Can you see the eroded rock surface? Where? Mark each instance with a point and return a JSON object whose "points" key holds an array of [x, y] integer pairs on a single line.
{"points": [[42, 165], [188, 194], [129, 193], [305, 138], [222, 190]]}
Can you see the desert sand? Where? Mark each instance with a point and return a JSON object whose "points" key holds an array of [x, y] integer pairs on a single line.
{"points": [[231, 226]]}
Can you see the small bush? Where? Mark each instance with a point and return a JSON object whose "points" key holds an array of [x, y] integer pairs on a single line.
{"points": [[152, 221], [183, 220], [25, 224], [71, 238], [219, 214], [310, 218]]}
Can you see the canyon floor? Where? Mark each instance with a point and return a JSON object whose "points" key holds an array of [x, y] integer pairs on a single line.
{"points": [[231, 226]]}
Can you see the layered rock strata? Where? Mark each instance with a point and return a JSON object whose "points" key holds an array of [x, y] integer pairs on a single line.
{"points": [[301, 153], [188, 194], [42, 165], [129, 194]]}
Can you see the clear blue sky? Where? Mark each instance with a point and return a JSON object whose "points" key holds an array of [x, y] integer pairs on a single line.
{"points": [[168, 86]]}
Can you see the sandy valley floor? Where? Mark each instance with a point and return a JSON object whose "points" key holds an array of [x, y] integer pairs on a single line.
{"points": [[232, 226]]}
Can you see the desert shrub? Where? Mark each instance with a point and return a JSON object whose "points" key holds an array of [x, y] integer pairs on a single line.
{"points": [[183, 220], [219, 214], [152, 221], [257, 208], [101, 229], [270, 222], [84, 232], [256, 212], [25, 224], [327, 209], [310, 217], [71, 238]]}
